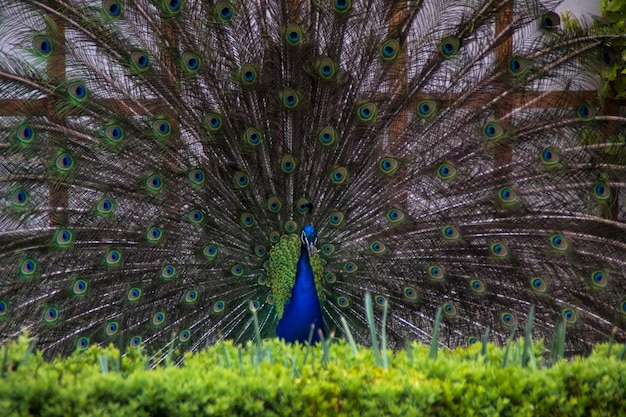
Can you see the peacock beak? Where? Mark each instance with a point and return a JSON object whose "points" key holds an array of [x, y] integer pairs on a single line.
{"points": [[311, 247]]}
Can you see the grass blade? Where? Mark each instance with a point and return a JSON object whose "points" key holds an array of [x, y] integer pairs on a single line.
{"points": [[434, 343], [369, 313], [348, 333]]}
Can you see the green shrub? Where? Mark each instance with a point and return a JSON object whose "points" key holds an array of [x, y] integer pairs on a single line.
{"points": [[278, 379]]}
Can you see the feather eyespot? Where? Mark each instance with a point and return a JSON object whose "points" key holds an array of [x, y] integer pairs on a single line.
{"points": [[154, 183], [586, 112], [260, 251], [113, 134], [538, 285], [4, 307], [290, 98], [140, 62], [168, 272], [395, 216], [241, 180], [326, 68], [191, 62], [184, 336], [549, 156], [219, 306], [225, 11], [518, 65], [494, 131], [330, 278], [303, 205], [508, 319], [388, 165], [559, 242], [389, 50], [77, 92], [209, 252], [105, 206], [112, 9], [287, 164], [377, 247], [82, 344], [42, 45], [111, 328], [599, 279], [195, 217], [446, 171], [426, 108], [449, 46], [274, 236], [336, 219], [350, 267], [328, 249], [339, 175], [291, 226], [113, 258], [212, 122], [327, 136], [133, 294], [134, 342], [19, 198], [569, 315], [343, 302], [27, 268], [196, 176], [274, 204], [79, 288], [380, 300], [507, 196], [252, 136], [237, 271], [154, 234], [51, 315], [436, 273], [64, 163], [366, 112], [602, 191], [162, 129], [158, 318], [247, 220], [25, 134], [64, 238], [450, 233], [550, 22], [499, 250], [449, 310], [248, 75], [191, 296], [410, 293], [171, 7], [477, 286], [472, 340], [293, 34], [342, 6], [253, 306]]}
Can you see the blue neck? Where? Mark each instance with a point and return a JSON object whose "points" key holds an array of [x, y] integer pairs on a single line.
{"points": [[303, 309]]}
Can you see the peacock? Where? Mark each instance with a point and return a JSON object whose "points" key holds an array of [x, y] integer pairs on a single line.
{"points": [[172, 171]]}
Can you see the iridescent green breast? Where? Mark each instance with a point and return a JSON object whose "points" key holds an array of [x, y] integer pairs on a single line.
{"points": [[281, 272]]}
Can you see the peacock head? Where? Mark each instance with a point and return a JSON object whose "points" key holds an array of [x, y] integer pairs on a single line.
{"points": [[309, 238]]}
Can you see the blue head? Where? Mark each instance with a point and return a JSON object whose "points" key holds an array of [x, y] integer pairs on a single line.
{"points": [[309, 238]]}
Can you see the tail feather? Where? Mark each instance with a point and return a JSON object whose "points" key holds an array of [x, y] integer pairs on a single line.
{"points": [[450, 155]]}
